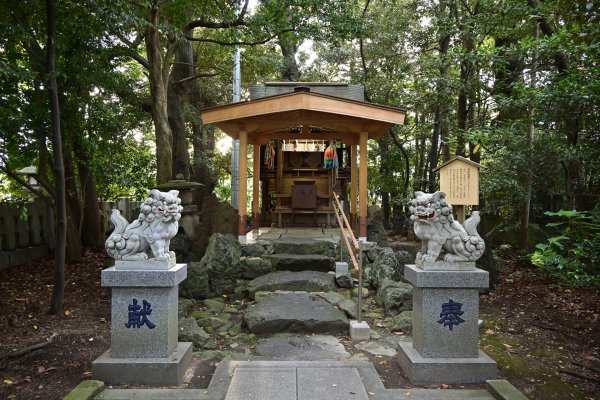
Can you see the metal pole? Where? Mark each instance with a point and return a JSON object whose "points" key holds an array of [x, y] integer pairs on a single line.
{"points": [[343, 232], [360, 272], [235, 151]]}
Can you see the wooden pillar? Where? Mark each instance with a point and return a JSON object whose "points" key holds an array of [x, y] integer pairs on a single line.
{"points": [[279, 161], [353, 184], [256, 187], [362, 184], [242, 186]]}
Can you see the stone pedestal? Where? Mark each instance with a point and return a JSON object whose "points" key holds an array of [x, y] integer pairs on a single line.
{"points": [[144, 325], [445, 326]]}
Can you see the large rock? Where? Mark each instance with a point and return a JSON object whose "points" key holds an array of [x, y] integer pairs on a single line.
{"points": [[221, 264], [257, 249], [300, 262], [196, 285], [181, 244], [214, 217], [223, 261], [394, 296], [342, 275], [349, 308], [385, 266], [375, 229], [291, 245], [309, 281], [404, 257], [314, 347], [190, 331], [253, 267], [402, 322], [377, 348], [294, 312]]}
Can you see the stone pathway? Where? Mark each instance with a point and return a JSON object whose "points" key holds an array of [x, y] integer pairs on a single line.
{"points": [[294, 380]]}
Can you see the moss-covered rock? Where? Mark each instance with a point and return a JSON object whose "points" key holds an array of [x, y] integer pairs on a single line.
{"points": [[394, 296], [402, 322], [196, 285]]}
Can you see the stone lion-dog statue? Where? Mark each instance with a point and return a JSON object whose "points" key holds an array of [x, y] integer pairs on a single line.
{"points": [[441, 235], [156, 225]]}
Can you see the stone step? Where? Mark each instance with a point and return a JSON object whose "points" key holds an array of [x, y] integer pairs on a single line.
{"points": [[301, 262], [304, 245], [294, 312], [308, 281]]}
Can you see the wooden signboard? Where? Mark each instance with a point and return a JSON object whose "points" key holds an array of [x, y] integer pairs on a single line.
{"points": [[459, 179]]}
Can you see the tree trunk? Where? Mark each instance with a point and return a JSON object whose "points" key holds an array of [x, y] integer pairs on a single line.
{"points": [[92, 232], [288, 42], [466, 72], [158, 78], [59, 173], [384, 171], [177, 99], [74, 250], [440, 111], [203, 140]]}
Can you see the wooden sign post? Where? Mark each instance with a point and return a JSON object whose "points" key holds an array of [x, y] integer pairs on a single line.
{"points": [[459, 179]]}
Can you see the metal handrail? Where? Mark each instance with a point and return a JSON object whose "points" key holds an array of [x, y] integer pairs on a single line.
{"points": [[347, 231]]}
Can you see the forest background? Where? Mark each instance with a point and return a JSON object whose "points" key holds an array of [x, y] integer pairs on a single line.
{"points": [[511, 84]]}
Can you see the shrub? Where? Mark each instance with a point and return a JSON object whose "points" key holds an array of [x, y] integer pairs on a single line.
{"points": [[573, 255]]}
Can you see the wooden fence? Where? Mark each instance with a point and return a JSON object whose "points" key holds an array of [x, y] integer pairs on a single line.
{"points": [[27, 230]]}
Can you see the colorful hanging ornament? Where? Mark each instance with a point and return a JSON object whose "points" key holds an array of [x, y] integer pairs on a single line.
{"points": [[330, 157], [270, 155]]}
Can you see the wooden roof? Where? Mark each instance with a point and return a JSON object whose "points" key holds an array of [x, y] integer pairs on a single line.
{"points": [[458, 158], [303, 115]]}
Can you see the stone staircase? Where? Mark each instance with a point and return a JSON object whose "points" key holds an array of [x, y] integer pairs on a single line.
{"points": [[301, 294], [302, 253]]}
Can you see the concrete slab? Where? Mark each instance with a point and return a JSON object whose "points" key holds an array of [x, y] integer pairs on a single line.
{"points": [[304, 347], [295, 380], [428, 371], [144, 371], [154, 394], [503, 390], [330, 384], [262, 384]]}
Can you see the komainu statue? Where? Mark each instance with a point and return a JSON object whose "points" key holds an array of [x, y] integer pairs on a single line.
{"points": [[153, 230], [441, 235]]}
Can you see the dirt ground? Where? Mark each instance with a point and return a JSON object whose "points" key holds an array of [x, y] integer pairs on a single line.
{"points": [[544, 337]]}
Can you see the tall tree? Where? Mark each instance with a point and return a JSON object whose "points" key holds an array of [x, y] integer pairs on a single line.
{"points": [[59, 172]]}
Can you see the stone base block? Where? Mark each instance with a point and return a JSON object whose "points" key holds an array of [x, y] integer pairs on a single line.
{"points": [[151, 265], [359, 330], [431, 371], [144, 371], [446, 265]]}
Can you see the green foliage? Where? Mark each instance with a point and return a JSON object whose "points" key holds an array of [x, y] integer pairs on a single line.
{"points": [[574, 254]]}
